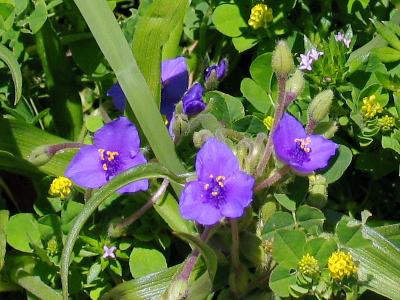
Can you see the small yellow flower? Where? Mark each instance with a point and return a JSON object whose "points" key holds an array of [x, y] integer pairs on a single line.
{"points": [[52, 247], [260, 15], [268, 122], [341, 264], [386, 123], [60, 187], [370, 107], [308, 265]]}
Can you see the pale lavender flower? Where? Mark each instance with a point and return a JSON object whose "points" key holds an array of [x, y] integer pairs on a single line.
{"points": [[109, 252], [305, 63], [314, 54], [347, 42], [339, 37]]}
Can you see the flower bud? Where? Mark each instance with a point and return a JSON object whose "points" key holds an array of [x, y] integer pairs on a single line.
{"points": [[178, 125], [193, 100], [294, 86], [282, 59], [40, 155], [200, 137], [320, 106], [214, 74], [177, 290], [317, 191]]}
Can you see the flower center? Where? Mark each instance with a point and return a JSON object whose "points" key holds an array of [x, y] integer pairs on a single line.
{"points": [[109, 162], [215, 189], [301, 151]]}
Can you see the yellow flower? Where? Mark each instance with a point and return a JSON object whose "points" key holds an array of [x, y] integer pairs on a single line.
{"points": [[268, 122], [341, 264], [370, 107], [260, 15], [386, 123], [60, 187], [308, 265]]}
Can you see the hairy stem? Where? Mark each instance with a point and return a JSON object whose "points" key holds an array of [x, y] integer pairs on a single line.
{"points": [[272, 179], [280, 109], [53, 149], [235, 244]]}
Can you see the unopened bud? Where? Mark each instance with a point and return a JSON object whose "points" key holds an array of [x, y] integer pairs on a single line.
{"points": [[178, 290], [193, 100], [40, 155], [294, 86], [317, 191], [115, 230], [214, 74], [178, 125], [200, 137], [320, 106], [282, 59]]}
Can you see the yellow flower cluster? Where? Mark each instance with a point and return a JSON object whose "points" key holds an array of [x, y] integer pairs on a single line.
{"points": [[370, 107], [268, 122], [52, 247], [260, 15], [386, 123], [60, 187], [308, 265], [341, 264]]}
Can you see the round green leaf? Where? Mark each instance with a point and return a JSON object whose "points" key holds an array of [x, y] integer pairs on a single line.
{"points": [[228, 20], [280, 281], [143, 261], [256, 96], [308, 216], [279, 220], [339, 165], [261, 71], [21, 230], [288, 247], [321, 249]]}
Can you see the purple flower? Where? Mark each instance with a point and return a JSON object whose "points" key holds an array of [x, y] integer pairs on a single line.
{"points": [[193, 100], [305, 63], [115, 149], [314, 54], [303, 153], [221, 189], [339, 37], [220, 70], [109, 252], [174, 80]]}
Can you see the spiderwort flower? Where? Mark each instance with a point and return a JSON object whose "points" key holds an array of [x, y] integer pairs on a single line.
{"points": [[221, 189], [115, 149], [193, 100], [303, 153], [174, 80], [109, 252]]}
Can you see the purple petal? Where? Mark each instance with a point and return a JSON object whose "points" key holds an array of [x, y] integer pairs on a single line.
{"points": [[193, 206], [215, 158], [284, 136], [119, 135], [175, 81], [140, 185], [239, 194], [118, 96], [193, 100], [85, 168], [322, 150]]}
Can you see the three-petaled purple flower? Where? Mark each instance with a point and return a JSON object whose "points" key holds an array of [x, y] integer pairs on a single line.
{"points": [[109, 252], [221, 189], [192, 100], [115, 149], [303, 153], [174, 80]]}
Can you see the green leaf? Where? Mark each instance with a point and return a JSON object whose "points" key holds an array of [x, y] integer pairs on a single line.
{"points": [[378, 264], [288, 247], [152, 32], [387, 54], [392, 142], [279, 220], [261, 71], [94, 272], [243, 43], [93, 123], [20, 230], [115, 48], [4, 214], [124, 178], [11, 61], [69, 212], [225, 107], [249, 124], [256, 96], [350, 234], [321, 249], [387, 34], [151, 286], [38, 17], [280, 280], [143, 261], [285, 202], [228, 20], [338, 165], [208, 253], [308, 216]]}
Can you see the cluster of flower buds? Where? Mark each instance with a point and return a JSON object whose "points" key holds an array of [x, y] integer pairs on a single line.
{"points": [[339, 37]]}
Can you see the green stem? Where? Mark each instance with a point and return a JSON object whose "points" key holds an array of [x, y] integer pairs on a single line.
{"points": [[273, 179], [235, 244]]}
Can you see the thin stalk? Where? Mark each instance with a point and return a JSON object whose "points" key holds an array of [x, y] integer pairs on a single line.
{"points": [[272, 179], [311, 126], [153, 199], [53, 149], [235, 244], [280, 109]]}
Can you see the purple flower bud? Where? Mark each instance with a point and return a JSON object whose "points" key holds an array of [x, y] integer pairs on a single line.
{"points": [[193, 100], [220, 70]]}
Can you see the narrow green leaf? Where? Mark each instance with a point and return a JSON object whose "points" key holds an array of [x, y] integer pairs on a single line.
{"points": [[38, 16], [3, 222], [10, 60], [37, 287], [131, 175]]}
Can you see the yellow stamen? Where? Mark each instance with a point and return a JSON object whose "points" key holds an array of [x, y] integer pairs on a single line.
{"points": [[215, 193], [304, 143], [206, 186], [105, 168]]}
